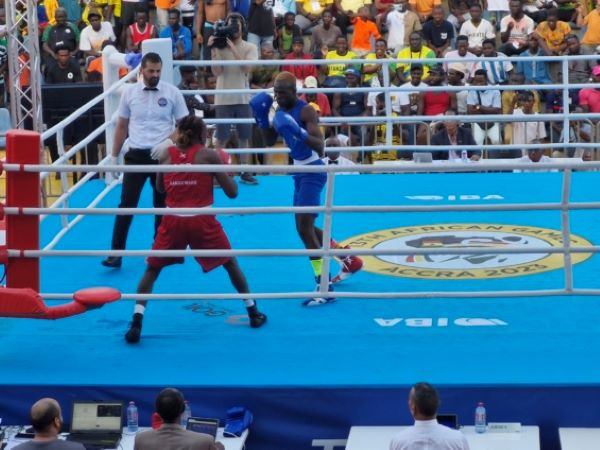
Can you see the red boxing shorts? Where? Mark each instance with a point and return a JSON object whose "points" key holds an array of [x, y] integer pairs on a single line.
{"points": [[197, 232]]}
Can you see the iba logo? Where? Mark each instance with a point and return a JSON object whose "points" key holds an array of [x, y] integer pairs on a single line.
{"points": [[465, 266]]}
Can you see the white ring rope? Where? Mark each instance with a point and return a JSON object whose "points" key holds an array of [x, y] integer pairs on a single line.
{"points": [[471, 166], [299, 252], [30, 211], [337, 294]]}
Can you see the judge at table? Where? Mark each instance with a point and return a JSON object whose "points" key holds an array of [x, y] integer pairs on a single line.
{"points": [[169, 406], [427, 433]]}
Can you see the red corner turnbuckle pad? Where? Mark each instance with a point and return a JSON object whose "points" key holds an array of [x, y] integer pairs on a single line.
{"points": [[1, 205]]}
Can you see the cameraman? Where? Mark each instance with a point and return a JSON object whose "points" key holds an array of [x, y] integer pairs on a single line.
{"points": [[228, 44]]}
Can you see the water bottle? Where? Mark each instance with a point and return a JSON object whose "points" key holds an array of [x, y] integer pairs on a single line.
{"points": [[132, 418], [187, 413], [480, 419], [464, 157]]}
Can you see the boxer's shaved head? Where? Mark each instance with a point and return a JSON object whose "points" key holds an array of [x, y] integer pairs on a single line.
{"points": [[285, 77], [284, 89]]}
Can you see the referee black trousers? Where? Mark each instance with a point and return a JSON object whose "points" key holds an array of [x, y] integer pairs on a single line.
{"points": [[133, 183]]}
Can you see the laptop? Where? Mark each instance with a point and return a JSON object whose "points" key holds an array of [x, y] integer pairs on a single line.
{"points": [[202, 425], [96, 425], [448, 420]]}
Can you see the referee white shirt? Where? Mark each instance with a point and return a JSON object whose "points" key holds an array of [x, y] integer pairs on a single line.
{"points": [[152, 112], [340, 161], [429, 435]]}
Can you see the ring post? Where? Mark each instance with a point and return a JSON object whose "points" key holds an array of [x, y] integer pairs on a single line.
{"points": [[23, 190]]}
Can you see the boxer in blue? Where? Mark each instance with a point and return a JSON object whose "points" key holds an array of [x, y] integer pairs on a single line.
{"points": [[298, 125]]}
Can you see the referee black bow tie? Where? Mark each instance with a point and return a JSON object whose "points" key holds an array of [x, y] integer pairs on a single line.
{"points": [[332, 162], [150, 88]]}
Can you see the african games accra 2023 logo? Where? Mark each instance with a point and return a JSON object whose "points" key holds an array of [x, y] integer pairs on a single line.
{"points": [[465, 266]]}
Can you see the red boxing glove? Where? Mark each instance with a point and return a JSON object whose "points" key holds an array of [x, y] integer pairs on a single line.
{"points": [[225, 158]]}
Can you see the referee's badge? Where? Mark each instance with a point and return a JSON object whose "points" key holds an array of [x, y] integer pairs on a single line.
{"points": [[162, 101]]}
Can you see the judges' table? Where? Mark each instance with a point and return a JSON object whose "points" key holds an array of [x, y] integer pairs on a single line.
{"points": [[127, 440], [579, 438], [379, 438]]}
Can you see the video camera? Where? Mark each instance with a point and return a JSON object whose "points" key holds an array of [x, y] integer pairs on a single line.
{"points": [[224, 30]]}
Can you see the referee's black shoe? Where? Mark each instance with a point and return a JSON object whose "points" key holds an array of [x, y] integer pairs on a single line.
{"points": [[135, 329], [112, 261]]}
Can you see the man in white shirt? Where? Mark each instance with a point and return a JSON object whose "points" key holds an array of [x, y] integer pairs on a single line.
{"points": [[526, 132], [372, 96], [515, 29], [93, 36], [456, 77], [484, 102], [400, 23], [477, 29], [336, 158], [427, 433], [462, 51], [535, 156], [234, 106]]}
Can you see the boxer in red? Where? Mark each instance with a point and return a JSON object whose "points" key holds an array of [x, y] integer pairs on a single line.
{"points": [[191, 190]]}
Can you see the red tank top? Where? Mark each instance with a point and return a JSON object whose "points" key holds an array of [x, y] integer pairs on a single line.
{"points": [[436, 103], [187, 189], [137, 36]]}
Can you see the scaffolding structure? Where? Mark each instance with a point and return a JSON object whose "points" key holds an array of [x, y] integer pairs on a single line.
{"points": [[24, 64]]}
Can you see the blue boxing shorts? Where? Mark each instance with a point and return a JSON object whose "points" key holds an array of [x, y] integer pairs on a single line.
{"points": [[308, 187]]}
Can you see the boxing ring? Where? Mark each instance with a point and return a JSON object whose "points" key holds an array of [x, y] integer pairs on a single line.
{"points": [[483, 283]]}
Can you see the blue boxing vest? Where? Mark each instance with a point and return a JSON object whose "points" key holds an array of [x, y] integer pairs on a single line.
{"points": [[304, 154]]}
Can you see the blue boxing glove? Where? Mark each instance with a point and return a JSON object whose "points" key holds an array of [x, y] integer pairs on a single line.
{"points": [[289, 129], [261, 104], [294, 135], [133, 59]]}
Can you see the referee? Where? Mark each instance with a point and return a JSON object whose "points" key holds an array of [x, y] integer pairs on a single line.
{"points": [[147, 114]]}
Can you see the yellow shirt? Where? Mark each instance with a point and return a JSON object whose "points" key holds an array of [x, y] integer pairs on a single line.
{"points": [[51, 6], [592, 34], [553, 38], [337, 70], [353, 5], [406, 53], [315, 7], [424, 7], [101, 5], [368, 77], [117, 4]]}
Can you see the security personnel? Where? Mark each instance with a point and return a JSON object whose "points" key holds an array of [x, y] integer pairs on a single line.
{"points": [[147, 114]]}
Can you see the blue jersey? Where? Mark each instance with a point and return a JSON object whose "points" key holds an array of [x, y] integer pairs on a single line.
{"points": [[301, 154]]}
